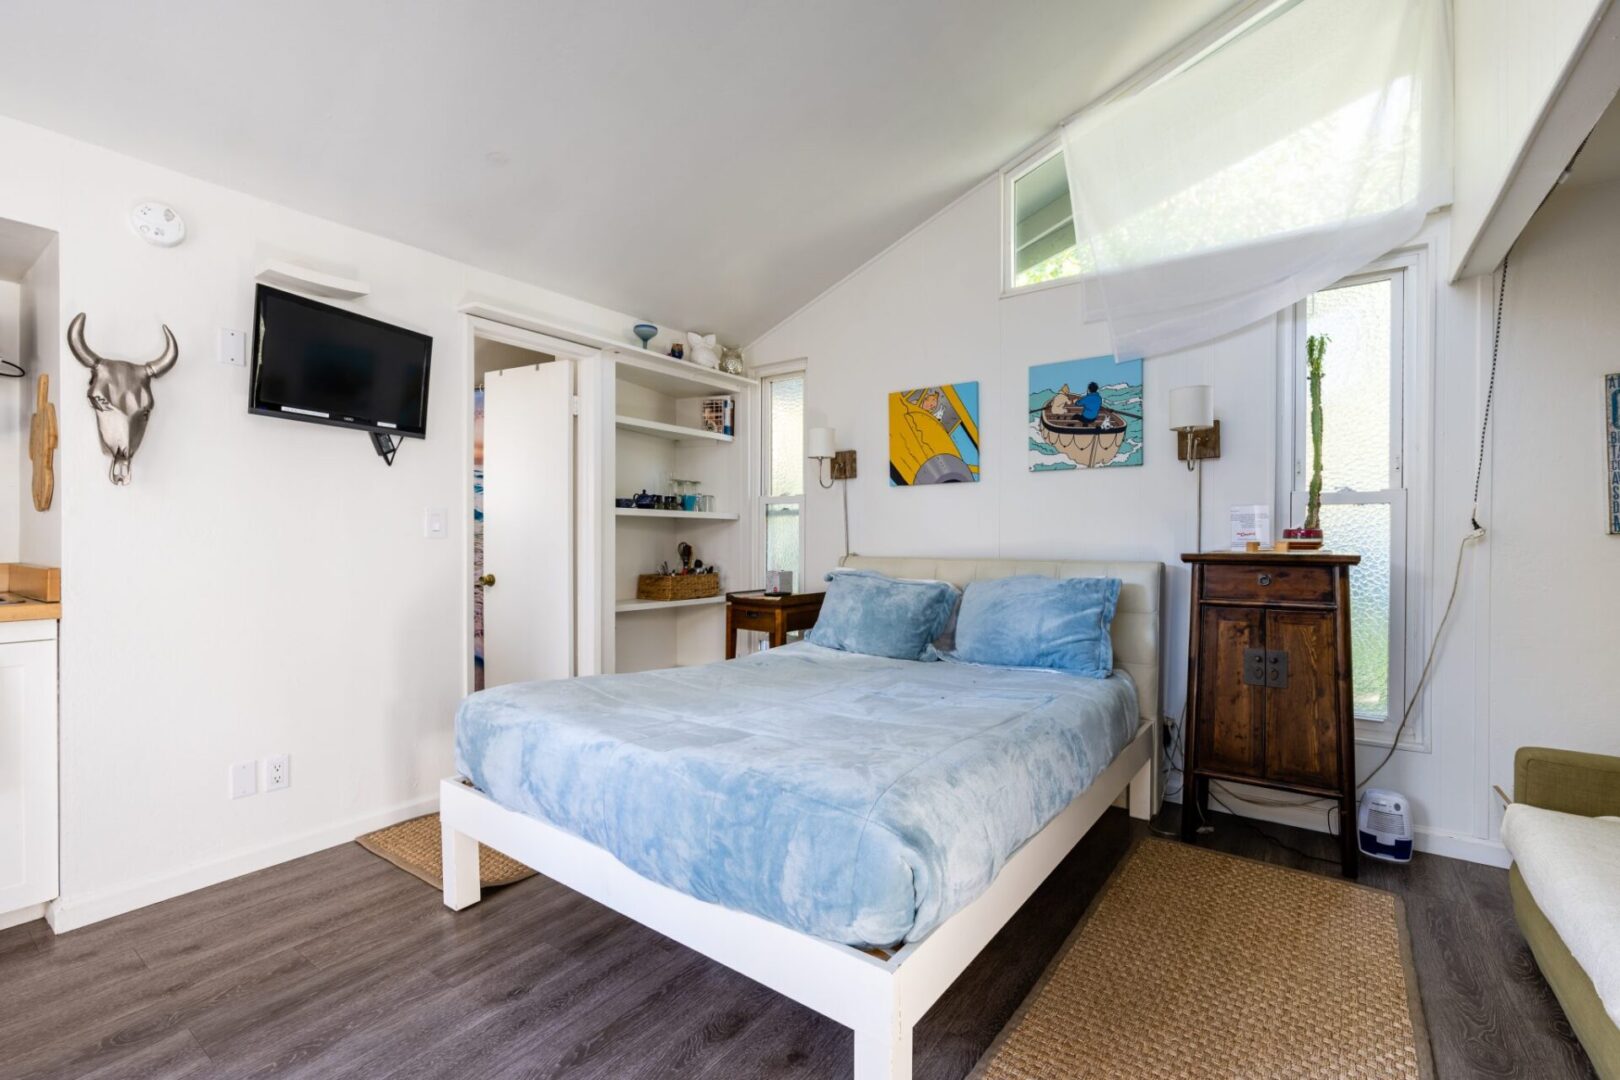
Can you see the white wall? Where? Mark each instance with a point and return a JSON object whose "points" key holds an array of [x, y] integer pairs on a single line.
{"points": [[39, 537], [1554, 592], [262, 586], [928, 310], [13, 415]]}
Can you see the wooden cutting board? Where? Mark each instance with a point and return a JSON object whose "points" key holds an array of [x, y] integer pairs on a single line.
{"points": [[42, 445]]}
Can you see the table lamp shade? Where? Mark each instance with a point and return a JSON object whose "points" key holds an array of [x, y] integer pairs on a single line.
{"points": [[1192, 408], [818, 442]]}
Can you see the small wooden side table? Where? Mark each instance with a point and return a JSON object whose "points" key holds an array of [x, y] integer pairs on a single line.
{"points": [[777, 616]]}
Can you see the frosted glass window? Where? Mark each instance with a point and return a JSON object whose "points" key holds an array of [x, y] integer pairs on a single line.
{"points": [[1356, 376], [1363, 498], [785, 469], [1363, 529], [782, 539]]}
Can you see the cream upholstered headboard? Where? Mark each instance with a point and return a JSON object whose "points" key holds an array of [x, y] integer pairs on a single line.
{"points": [[1136, 620]]}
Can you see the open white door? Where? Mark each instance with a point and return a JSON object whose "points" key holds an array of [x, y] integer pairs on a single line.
{"points": [[529, 523]]}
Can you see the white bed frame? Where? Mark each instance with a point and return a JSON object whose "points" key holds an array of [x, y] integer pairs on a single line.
{"points": [[881, 999]]}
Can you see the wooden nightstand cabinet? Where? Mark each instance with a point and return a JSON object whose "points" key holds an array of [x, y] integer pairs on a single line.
{"points": [[1268, 682], [777, 616]]}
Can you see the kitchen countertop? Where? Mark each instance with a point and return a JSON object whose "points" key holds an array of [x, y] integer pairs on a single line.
{"points": [[17, 608], [29, 592]]}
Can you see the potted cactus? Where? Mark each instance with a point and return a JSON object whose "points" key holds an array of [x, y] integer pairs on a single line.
{"points": [[1309, 536]]}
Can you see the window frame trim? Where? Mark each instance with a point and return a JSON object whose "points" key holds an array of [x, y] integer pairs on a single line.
{"points": [[1011, 174], [762, 499], [1411, 470]]}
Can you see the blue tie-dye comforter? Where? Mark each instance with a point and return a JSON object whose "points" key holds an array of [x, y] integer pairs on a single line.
{"points": [[860, 799]]}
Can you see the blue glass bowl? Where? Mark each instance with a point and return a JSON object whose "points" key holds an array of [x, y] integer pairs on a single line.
{"points": [[646, 332]]}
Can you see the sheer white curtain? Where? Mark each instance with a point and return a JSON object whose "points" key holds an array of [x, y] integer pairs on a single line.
{"points": [[1291, 155]]}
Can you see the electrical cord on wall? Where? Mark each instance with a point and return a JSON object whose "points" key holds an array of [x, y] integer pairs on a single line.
{"points": [[1477, 533]]}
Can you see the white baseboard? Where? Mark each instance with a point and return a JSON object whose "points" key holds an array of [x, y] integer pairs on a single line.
{"points": [[72, 912], [21, 915], [1476, 849]]}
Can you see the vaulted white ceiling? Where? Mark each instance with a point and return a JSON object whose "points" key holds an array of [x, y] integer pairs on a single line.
{"points": [[699, 163]]}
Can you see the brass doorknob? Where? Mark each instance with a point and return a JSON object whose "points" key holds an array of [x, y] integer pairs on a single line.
{"points": [[487, 580]]}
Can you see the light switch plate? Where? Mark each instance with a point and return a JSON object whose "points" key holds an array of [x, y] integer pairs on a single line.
{"points": [[244, 779], [233, 347], [435, 523]]}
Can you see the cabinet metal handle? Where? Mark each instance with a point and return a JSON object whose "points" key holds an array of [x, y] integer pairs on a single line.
{"points": [[1265, 579], [487, 580]]}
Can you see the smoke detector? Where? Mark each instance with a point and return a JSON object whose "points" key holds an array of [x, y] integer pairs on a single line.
{"points": [[157, 223]]}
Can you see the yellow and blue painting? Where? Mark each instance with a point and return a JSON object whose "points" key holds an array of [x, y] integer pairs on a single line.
{"points": [[934, 435], [1085, 414]]}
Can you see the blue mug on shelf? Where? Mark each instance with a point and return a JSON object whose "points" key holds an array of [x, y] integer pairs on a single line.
{"points": [[689, 502]]}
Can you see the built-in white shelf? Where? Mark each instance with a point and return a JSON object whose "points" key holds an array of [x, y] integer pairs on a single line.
{"points": [[624, 607], [656, 371], [690, 515], [677, 378], [669, 431]]}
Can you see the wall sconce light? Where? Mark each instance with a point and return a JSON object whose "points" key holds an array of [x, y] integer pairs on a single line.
{"points": [[1198, 438], [1192, 418], [818, 447]]}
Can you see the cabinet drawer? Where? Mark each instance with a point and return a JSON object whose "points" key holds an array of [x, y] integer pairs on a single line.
{"points": [[1269, 584], [745, 619]]}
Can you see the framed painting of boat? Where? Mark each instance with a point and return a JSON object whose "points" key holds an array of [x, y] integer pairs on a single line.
{"points": [[1085, 414], [934, 435], [1611, 440]]}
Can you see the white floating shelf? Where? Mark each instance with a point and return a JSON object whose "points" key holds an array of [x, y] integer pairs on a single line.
{"points": [[690, 515], [286, 275], [624, 607], [669, 431], [677, 378], [656, 371]]}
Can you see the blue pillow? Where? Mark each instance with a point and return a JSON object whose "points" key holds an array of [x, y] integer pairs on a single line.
{"points": [[1039, 622], [872, 613]]}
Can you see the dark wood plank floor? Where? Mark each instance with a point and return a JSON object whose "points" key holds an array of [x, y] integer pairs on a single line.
{"points": [[341, 965]]}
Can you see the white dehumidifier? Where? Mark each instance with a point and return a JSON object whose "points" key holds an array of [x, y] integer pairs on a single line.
{"points": [[1384, 825]]}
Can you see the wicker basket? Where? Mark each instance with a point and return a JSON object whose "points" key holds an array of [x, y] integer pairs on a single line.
{"points": [[677, 586]]}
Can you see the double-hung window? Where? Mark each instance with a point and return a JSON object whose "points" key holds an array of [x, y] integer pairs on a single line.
{"points": [[782, 472], [1367, 322]]}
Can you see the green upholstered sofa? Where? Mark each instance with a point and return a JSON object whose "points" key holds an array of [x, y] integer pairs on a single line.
{"points": [[1587, 785]]}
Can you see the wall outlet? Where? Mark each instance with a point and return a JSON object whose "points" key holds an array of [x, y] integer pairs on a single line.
{"points": [[277, 772], [233, 347], [435, 523], [244, 779]]}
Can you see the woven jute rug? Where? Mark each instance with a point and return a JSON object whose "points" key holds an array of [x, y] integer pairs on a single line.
{"points": [[414, 846], [1196, 964]]}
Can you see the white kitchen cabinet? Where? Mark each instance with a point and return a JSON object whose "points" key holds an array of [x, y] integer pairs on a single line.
{"points": [[28, 794]]}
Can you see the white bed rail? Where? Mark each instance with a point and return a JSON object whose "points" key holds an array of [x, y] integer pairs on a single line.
{"points": [[882, 1000]]}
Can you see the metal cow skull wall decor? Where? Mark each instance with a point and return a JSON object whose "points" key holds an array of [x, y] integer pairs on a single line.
{"points": [[121, 394]]}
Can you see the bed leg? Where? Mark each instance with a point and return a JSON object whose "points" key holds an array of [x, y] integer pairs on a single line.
{"points": [[883, 1050], [1141, 797], [461, 884]]}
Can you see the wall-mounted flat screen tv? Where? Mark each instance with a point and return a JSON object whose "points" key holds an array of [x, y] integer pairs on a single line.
{"points": [[318, 363]]}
